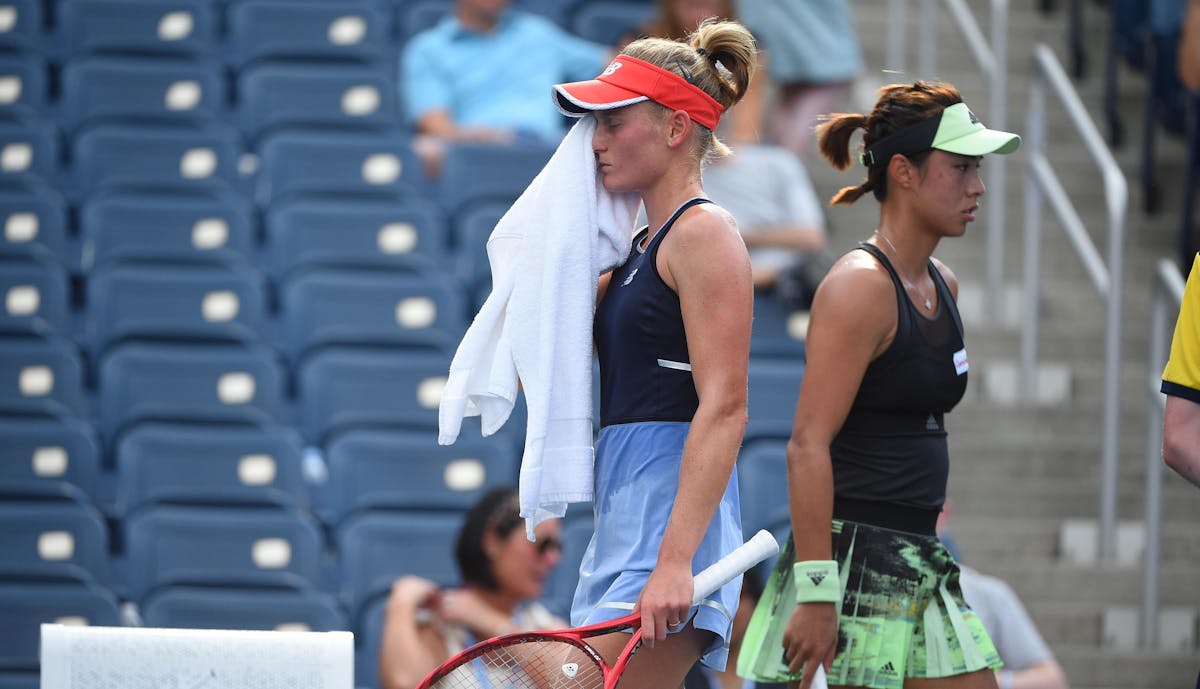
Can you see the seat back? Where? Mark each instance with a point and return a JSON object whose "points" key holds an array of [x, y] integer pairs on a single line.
{"points": [[28, 152], [423, 309], [340, 387], [123, 89], [36, 299], [282, 30], [773, 388], [333, 164], [171, 544], [228, 607], [475, 173], [209, 464], [179, 27], [396, 469], [274, 95], [47, 536], [174, 302], [197, 383], [27, 605], [375, 547], [355, 233], [213, 227], [43, 375], [33, 216], [45, 450]]}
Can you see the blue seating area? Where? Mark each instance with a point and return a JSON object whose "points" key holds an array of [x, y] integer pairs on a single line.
{"points": [[229, 297]]}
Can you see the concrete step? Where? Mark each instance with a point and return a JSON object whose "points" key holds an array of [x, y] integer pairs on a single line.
{"points": [[1089, 668], [1020, 539], [1063, 498], [1103, 585]]}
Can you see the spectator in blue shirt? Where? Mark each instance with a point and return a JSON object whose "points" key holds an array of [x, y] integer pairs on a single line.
{"points": [[482, 74]]}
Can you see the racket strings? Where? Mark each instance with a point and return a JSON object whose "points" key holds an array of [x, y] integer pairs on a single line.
{"points": [[536, 664]]}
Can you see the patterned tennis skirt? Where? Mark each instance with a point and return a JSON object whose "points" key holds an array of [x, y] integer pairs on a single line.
{"points": [[903, 613]]}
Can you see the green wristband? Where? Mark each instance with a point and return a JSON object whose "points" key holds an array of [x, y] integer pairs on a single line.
{"points": [[817, 581]]}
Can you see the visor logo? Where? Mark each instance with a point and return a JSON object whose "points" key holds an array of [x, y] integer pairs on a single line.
{"points": [[612, 67]]}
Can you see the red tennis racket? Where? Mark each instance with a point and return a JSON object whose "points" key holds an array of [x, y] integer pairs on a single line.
{"points": [[563, 659]]}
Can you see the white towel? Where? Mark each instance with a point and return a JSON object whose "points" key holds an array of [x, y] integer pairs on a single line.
{"points": [[534, 331]]}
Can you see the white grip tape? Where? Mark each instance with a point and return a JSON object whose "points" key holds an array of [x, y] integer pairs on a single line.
{"points": [[748, 554]]}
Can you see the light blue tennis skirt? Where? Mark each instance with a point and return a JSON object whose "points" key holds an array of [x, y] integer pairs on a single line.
{"points": [[637, 475]]}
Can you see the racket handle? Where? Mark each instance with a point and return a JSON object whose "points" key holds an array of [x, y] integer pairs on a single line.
{"points": [[745, 556]]}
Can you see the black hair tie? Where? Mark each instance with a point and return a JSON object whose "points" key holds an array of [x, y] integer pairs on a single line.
{"points": [[702, 53]]}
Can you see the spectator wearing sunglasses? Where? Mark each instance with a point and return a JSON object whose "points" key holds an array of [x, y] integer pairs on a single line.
{"points": [[502, 575]]}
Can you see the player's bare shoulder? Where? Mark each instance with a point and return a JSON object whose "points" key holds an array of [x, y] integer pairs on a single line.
{"points": [[947, 275], [856, 280]]}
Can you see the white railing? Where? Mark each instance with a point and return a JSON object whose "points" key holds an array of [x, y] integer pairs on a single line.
{"points": [[1042, 185], [1166, 294], [992, 59]]}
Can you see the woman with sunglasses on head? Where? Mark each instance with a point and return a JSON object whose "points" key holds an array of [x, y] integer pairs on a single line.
{"points": [[876, 598], [502, 577], [672, 332]]}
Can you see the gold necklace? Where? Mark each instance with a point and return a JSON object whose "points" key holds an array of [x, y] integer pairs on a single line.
{"points": [[906, 283]]}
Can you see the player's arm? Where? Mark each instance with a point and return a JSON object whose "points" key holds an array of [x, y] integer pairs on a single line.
{"points": [[706, 263], [853, 319], [1181, 438]]}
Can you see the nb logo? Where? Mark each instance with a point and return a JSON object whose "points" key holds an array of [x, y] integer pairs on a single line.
{"points": [[630, 278], [614, 66]]}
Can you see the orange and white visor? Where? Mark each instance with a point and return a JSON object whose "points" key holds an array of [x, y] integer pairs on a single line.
{"points": [[628, 80]]}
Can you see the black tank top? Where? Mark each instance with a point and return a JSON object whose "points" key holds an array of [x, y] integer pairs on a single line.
{"points": [[892, 446], [645, 372]]}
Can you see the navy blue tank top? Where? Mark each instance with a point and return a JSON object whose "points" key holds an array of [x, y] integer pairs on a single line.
{"points": [[645, 372], [892, 446]]}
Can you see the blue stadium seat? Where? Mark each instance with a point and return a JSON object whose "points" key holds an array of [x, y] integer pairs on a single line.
{"points": [[47, 535], [286, 30], [209, 464], [28, 151], [284, 94], [162, 158], [355, 233], [36, 295], [368, 634], [415, 16], [32, 216], [27, 605], [762, 483], [174, 302], [173, 544], [392, 469], [130, 90], [338, 164], [227, 607], [199, 383], [20, 680], [778, 330], [608, 21], [376, 547], [21, 25], [49, 450], [341, 387], [475, 173], [215, 227], [471, 232], [22, 84], [774, 387], [326, 306], [42, 375], [148, 27], [559, 589]]}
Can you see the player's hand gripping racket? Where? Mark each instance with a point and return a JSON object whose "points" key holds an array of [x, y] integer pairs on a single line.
{"points": [[563, 659]]}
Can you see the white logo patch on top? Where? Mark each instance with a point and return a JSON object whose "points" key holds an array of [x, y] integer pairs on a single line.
{"points": [[960, 361]]}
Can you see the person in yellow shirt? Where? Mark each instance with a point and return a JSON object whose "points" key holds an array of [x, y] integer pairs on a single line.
{"points": [[1181, 384]]}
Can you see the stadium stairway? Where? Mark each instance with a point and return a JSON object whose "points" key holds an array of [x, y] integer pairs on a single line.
{"points": [[1024, 482]]}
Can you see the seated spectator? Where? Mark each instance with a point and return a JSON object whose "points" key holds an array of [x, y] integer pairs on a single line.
{"points": [[502, 574], [483, 73], [769, 193], [815, 59]]}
